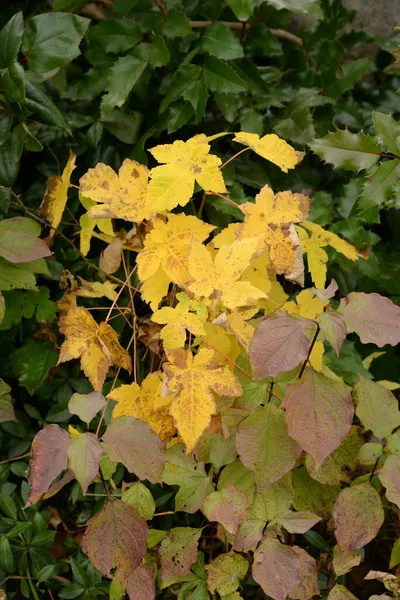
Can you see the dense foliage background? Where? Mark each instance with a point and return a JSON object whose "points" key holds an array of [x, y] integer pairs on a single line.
{"points": [[109, 80]]}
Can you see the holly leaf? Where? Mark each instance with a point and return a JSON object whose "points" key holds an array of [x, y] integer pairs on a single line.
{"points": [[308, 574], [56, 195], [192, 380], [358, 516], [178, 551], [49, 458], [376, 407], [389, 476], [298, 522], [227, 506], [115, 538], [84, 453], [279, 344], [313, 242], [96, 345], [226, 572], [177, 321], [276, 568], [387, 131], [271, 147], [135, 445], [345, 150], [172, 183], [86, 406], [319, 413], [122, 196], [374, 318], [264, 445]]}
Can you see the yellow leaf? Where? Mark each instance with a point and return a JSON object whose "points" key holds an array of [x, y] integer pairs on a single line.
{"points": [[271, 147], [88, 225], [313, 245], [193, 379], [276, 298], [185, 162], [307, 305], [227, 235], [73, 432], [122, 196], [56, 195], [220, 277], [242, 330], [218, 338], [317, 356], [257, 272], [269, 219], [166, 249], [97, 289], [96, 345], [176, 321], [155, 288], [146, 403]]}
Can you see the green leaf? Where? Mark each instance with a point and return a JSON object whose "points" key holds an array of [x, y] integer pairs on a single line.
{"points": [[71, 591], [114, 35], [300, 6], [19, 242], [196, 93], [13, 80], [6, 556], [219, 77], [349, 73], [251, 121], [7, 504], [6, 122], [51, 40], [21, 276], [122, 78], [298, 127], [226, 572], [6, 409], [379, 187], [345, 150], [179, 114], [312, 495], [43, 108], [376, 407], [176, 24], [32, 362], [139, 497], [46, 573], [242, 9], [395, 554], [86, 406], [123, 125], [178, 551], [84, 453], [387, 131], [10, 40], [220, 41], [10, 154]]}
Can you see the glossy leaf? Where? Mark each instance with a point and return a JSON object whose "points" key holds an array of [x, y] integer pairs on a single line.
{"points": [[350, 151], [387, 131], [10, 40]]}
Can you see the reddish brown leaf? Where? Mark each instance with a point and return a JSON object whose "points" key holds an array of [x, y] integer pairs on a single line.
{"points": [[375, 318], [49, 458], [248, 535], [227, 506], [358, 516], [276, 568], [390, 478], [84, 453], [134, 444], [308, 573], [178, 551], [140, 584], [116, 539], [279, 344], [59, 484], [264, 445], [333, 328], [319, 413]]}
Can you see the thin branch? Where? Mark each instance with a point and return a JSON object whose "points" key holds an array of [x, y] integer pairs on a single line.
{"points": [[233, 157], [225, 198], [3, 462], [238, 26], [167, 512]]}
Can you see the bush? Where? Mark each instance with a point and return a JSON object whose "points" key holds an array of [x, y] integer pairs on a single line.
{"points": [[190, 316]]}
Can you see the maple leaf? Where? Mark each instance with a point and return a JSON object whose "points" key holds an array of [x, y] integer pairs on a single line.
{"points": [[271, 147], [192, 379], [88, 225], [56, 195], [145, 403], [96, 289], [164, 257], [122, 196], [220, 277], [313, 246], [96, 345], [269, 219], [185, 162], [176, 321]]}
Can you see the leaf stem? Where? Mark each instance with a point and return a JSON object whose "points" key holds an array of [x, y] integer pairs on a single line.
{"points": [[225, 198], [309, 352], [233, 157], [3, 462]]}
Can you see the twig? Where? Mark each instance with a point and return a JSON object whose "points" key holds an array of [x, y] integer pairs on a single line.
{"points": [[309, 352], [232, 25], [168, 512], [233, 157], [103, 481], [3, 462], [224, 198]]}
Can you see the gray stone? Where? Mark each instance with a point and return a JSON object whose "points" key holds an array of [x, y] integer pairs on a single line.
{"points": [[376, 17]]}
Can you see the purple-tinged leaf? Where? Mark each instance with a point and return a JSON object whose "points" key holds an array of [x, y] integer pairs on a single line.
{"points": [[19, 242], [134, 444], [390, 478], [328, 293], [376, 407], [279, 344], [116, 539], [308, 573], [140, 584], [248, 535], [178, 551], [333, 328], [86, 406], [358, 516], [319, 413], [264, 445], [374, 318], [298, 522], [276, 568], [227, 506], [59, 484], [84, 453], [49, 458]]}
